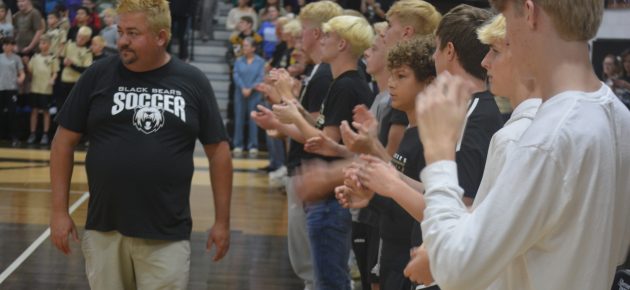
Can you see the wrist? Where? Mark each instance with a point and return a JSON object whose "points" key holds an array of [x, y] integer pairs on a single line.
{"points": [[434, 153]]}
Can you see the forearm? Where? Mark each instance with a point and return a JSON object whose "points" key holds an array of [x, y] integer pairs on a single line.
{"points": [[308, 130], [36, 38], [379, 151], [408, 198], [292, 131], [61, 167], [221, 178]]}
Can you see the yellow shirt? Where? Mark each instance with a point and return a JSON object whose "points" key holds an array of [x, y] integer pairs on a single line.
{"points": [[42, 67], [57, 40], [80, 56]]}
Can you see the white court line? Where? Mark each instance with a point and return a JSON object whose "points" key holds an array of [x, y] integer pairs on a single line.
{"points": [[35, 190], [37, 242]]}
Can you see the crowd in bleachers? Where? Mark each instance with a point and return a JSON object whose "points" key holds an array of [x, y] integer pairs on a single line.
{"points": [[45, 50]]}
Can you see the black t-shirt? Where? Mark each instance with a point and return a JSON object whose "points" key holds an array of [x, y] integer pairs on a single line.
{"points": [[392, 117], [484, 120], [312, 96], [142, 129], [395, 223], [345, 92]]}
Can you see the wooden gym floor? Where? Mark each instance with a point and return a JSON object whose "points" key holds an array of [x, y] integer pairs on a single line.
{"points": [[257, 259]]}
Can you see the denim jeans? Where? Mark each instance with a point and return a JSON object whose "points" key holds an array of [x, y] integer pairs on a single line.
{"points": [[329, 229], [277, 153], [242, 108]]}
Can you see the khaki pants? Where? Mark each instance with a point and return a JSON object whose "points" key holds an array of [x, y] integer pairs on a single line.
{"points": [[113, 261]]}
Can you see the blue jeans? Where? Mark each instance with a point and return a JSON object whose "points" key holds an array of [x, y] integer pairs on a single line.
{"points": [[277, 154], [329, 229], [242, 108]]}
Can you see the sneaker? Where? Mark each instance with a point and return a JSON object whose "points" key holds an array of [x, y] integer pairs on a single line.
{"points": [[253, 152], [278, 173], [31, 138], [237, 150], [44, 140]]}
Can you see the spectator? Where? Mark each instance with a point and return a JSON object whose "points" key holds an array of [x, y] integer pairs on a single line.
{"points": [[43, 67], [97, 48], [623, 82], [268, 32], [11, 75], [6, 27], [284, 37], [95, 20], [110, 31], [77, 58], [82, 19], [29, 27], [55, 33], [611, 70], [181, 14], [245, 28], [64, 18], [235, 15], [263, 14], [248, 72]]}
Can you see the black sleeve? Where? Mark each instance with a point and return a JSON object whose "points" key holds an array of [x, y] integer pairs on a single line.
{"points": [[316, 92], [211, 129], [80, 69], [398, 118], [74, 113]]}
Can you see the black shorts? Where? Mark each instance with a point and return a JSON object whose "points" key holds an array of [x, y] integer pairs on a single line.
{"points": [[40, 101]]}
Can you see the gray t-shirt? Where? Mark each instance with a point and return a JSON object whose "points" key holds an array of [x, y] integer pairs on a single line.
{"points": [[9, 68], [110, 34]]}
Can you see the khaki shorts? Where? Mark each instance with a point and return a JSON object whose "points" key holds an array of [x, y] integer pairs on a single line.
{"points": [[114, 261]]}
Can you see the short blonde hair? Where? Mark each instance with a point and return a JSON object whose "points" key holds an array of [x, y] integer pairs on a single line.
{"points": [[575, 20], [98, 39], [282, 20], [109, 12], [355, 30], [320, 12], [85, 30], [157, 12], [293, 28], [420, 15], [380, 27], [493, 31]]}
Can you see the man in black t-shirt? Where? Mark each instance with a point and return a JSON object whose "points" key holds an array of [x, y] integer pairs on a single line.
{"points": [[143, 112]]}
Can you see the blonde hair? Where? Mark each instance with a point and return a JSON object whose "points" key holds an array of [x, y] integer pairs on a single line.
{"points": [[575, 20], [157, 12], [98, 39], [380, 27], [85, 30], [109, 12], [356, 30], [493, 31], [293, 27], [420, 15], [282, 20], [320, 12]]}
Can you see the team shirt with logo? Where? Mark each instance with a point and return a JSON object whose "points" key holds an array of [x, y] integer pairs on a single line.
{"points": [[142, 129]]}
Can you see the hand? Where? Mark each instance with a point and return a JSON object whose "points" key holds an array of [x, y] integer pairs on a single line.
{"points": [[264, 118], [51, 82], [61, 225], [323, 145], [67, 62], [357, 142], [246, 92], [288, 112], [27, 49], [270, 92], [418, 269], [349, 199], [220, 236], [441, 113], [283, 81], [378, 175]]}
